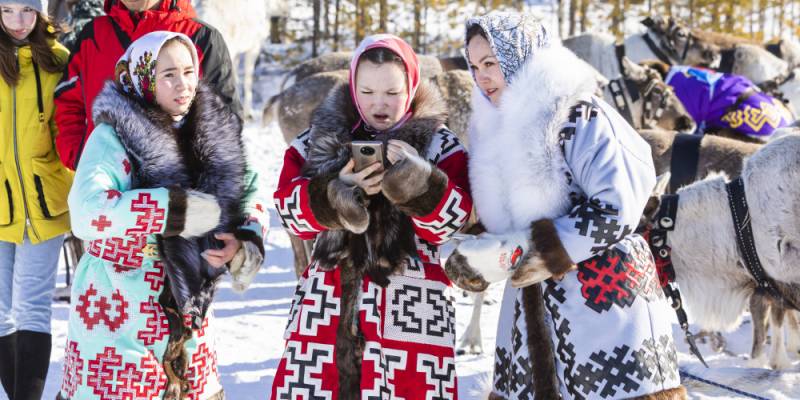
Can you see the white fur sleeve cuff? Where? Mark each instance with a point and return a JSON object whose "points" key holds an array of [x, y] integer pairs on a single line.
{"points": [[202, 214]]}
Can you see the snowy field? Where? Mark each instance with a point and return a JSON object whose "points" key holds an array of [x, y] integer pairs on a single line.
{"points": [[249, 327]]}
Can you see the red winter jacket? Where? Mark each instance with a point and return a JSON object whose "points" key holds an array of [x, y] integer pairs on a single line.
{"points": [[103, 41]]}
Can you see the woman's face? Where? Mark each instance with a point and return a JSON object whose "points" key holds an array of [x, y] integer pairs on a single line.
{"points": [[176, 79], [484, 64], [18, 20], [381, 93]]}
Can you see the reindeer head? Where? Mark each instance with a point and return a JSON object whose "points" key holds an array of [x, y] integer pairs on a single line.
{"points": [[679, 43], [659, 106]]}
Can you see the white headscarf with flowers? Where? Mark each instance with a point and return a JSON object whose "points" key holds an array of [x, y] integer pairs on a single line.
{"points": [[136, 69]]}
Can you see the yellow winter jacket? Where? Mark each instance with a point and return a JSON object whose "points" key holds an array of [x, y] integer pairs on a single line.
{"points": [[33, 183]]}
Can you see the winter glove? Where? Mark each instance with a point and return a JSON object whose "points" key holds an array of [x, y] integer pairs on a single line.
{"points": [[406, 180], [245, 265], [201, 215], [487, 258]]}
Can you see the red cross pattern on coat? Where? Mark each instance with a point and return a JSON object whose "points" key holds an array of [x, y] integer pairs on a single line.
{"points": [[202, 365], [101, 223], [110, 378], [73, 365], [157, 324]]}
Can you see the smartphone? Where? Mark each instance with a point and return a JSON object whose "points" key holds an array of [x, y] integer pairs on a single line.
{"points": [[366, 152]]}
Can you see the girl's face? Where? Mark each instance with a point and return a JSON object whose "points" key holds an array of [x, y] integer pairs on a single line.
{"points": [[381, 93], [140, 5], [484, 64], [18, 20], [176, 79]]}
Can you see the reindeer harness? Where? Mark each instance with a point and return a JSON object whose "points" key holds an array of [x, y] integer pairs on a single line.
{"points": [[625, 95]]}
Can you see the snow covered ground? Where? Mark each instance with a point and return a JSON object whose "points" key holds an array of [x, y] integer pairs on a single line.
{"points": [[250, 326]]}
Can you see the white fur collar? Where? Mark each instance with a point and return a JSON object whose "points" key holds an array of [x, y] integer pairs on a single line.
{"points": [[517, 168]]}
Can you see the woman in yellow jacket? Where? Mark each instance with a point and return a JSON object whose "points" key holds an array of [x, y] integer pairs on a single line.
{"points": [[33, 194]]}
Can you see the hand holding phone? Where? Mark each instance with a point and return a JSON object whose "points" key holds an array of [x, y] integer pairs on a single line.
{"points": [[365, 168]]}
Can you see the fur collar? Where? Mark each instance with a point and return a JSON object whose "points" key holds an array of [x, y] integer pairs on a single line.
{"points": [[389, 239], [517, 166], [332, 122], [206, 153]]}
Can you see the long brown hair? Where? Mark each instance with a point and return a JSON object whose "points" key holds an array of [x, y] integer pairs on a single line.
{"points": [[40, 40]]}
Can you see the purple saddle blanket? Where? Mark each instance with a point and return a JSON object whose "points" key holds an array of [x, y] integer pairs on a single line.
{"points": [[713, 100]]}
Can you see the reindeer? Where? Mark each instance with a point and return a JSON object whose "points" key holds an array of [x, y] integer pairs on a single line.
{"points": [[664, 39], [707, 263], [429, 66]]}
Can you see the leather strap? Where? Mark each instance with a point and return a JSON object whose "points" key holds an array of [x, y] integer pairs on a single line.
{"points": [[685, 157]]}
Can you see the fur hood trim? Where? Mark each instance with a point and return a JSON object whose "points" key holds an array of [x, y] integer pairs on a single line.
{"points": [[517, 144], [206, 153], [331, 125]]}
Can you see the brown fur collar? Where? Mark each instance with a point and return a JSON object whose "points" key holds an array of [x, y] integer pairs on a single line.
{"points": [[389, 238], [332, 122]]}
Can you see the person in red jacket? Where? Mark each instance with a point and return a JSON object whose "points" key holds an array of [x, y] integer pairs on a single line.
{"points": [[101, 43]]}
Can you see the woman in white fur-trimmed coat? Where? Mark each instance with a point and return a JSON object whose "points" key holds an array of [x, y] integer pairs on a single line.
{"points": [[560, 180]]}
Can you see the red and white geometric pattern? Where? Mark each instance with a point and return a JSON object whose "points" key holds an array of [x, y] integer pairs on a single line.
{"points": [[290, 209], [111, 379], [72, 375], [152, 216], [385, 362], [319, 306], [202, 366], [99, 311], [298, 381], [157, 325], [440, 373], [450, 218], [125, 251], [155, 278]]}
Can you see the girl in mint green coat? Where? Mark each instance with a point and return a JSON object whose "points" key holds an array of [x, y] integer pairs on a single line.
{"points": [[165, 200]]}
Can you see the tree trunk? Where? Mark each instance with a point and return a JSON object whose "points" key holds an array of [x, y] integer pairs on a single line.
{"points": [[730, 16], [336, 26], [326, 20], [316, 33], [384, 12], [584, 18], [417, 24], [762, 20], [560, 14], [573, 10]]}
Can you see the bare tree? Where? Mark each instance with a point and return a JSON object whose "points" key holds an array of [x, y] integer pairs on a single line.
{"points": [[316, 34], [584, 10], [417, 39], [336, 13], [573, 10], [384, 12]]}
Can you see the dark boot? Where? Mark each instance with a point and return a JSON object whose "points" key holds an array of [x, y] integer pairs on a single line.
{"points": [[8, 350], [33, 360]]}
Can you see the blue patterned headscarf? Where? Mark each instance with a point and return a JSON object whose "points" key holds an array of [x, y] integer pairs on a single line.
{"points": [[513, 37]]}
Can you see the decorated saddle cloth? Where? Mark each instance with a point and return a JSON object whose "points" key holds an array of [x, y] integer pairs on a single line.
{"points": [[716, 100]]}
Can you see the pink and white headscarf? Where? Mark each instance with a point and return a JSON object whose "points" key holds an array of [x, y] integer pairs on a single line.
{"points": [[405, 52]]}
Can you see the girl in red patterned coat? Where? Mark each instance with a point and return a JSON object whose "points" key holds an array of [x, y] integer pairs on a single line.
{"points": [[371, 314]]}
